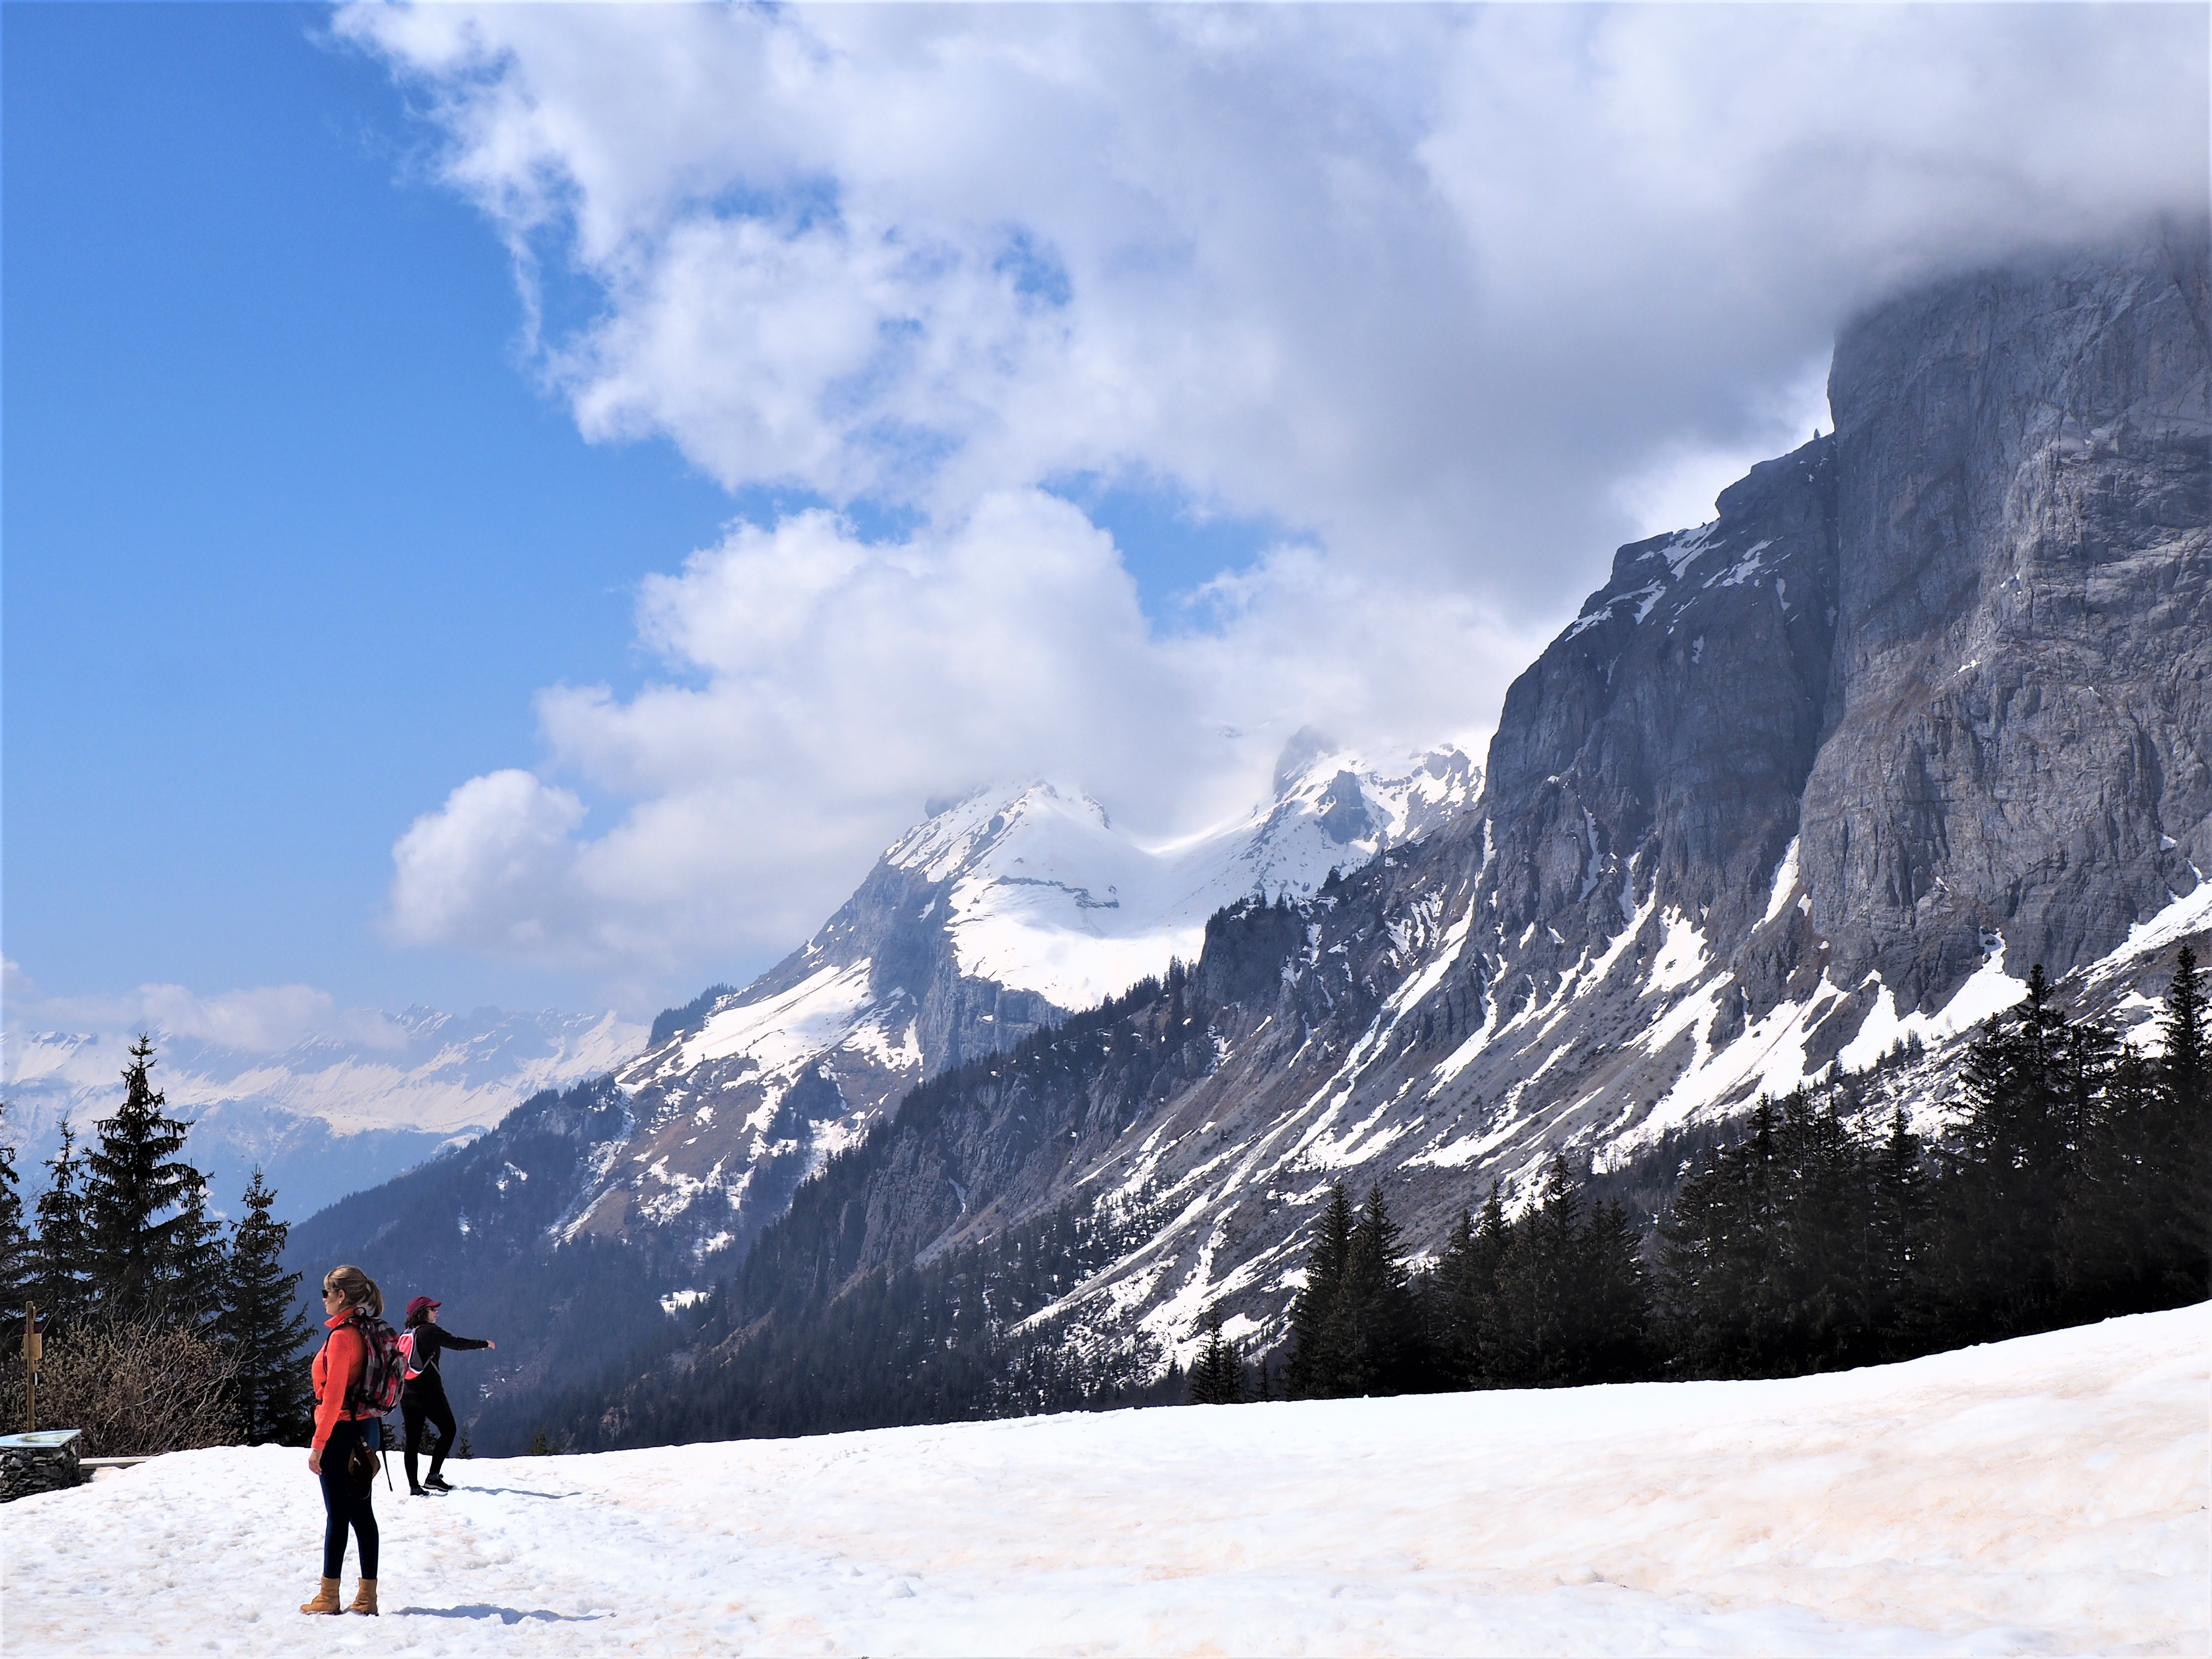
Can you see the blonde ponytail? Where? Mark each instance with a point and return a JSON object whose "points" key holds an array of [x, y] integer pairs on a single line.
{"points": [[357, 1287]]}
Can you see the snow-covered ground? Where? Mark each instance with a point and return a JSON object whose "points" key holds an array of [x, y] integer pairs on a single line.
{"points": [[2047, 1495]]}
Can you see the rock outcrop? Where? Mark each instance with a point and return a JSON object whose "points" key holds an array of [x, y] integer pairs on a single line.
{"points": [[2018, 731]]}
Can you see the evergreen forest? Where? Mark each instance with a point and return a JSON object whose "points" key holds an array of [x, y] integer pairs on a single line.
{"points": [[163, 1328], [2076, 1185]]}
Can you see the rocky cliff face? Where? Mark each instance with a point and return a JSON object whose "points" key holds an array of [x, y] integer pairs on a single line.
{"points": [[2018, 739], [1925, 704]]}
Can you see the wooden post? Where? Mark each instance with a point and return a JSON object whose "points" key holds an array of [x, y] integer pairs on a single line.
{"points": [[33, 1344]]}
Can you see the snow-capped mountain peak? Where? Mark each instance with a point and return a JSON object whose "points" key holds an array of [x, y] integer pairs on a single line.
{"points": [[1043, 893], [996, 915]]}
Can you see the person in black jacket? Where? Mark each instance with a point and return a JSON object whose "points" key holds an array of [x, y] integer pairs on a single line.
{"points": [[424, 1397]]}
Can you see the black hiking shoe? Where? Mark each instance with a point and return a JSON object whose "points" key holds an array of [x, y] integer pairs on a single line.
{"points": [[416, 1492], [437, 1483]]}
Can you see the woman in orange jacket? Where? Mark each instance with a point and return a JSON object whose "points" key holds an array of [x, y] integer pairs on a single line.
{"points": [[342, 1423]]}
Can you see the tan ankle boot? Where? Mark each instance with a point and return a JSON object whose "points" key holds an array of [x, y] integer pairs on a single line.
{"points": [[364, 1598], [327, 1599]]}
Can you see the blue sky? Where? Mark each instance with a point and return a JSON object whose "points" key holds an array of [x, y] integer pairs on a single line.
{"points": [[292, 532], [290, 539], [314, 557]]}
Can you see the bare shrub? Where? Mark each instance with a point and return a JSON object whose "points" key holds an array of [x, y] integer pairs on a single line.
{"points": [[135, 1389]]}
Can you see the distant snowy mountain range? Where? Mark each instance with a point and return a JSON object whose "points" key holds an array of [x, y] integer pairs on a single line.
{"points": [[324, 1117], [1042, 894]]}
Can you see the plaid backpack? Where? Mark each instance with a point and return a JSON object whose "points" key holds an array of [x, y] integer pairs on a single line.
{"points": [[385, 1374]]}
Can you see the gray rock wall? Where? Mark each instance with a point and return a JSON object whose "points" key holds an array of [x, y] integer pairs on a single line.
{"points": [[2018, 721]]}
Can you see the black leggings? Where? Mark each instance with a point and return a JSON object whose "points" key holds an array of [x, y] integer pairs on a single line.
{"points": [[345, 1503], [414, 1410]]}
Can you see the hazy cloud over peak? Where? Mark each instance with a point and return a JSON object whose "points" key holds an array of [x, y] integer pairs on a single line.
{"points": [[1461, 295]]}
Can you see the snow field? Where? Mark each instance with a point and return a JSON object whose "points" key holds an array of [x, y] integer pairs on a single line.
{"points": [[2045, 1495]]}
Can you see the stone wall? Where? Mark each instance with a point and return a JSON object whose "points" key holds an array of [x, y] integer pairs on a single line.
{"points": [[45, 1461]]}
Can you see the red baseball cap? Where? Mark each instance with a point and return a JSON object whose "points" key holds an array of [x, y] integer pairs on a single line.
{"points": [[423, 1304]]}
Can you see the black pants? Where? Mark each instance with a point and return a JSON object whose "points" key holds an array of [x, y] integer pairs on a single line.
{"points": [[417, 1407], [345, 1504]]}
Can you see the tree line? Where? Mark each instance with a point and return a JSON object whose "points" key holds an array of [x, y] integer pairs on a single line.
{"points": [[144, 1297], [2075, 1185]]}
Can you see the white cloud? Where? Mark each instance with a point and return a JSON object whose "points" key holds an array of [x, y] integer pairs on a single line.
{"points": [[1465, 296], [1678, 487], [496, 856], [821, 687], [16, 985]]}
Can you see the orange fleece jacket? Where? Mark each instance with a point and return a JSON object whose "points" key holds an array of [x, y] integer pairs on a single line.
{"points": [[338, 1366]]}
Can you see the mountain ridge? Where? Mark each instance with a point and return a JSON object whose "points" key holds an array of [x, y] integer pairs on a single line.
{"points": [[1668, 901], [1812, 780], [332, 1112], [683, 1152]]}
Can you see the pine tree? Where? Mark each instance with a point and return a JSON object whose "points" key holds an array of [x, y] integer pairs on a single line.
{"points": [[2184, 1144], [2182, 1025], [15, 1265], [1615, 1300], [1467, 1288], [1897, 1232], [1532, 1338], [61, 1255], [1315, 1371], [2082, 1066], [1997, 1253], [1373, 1332], [1459, 1310], [1217, 1376], [1722, 1283], [1823, 1248], [262, 1326], [134, 1179], [2116, 1235], [194, 1279]]}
